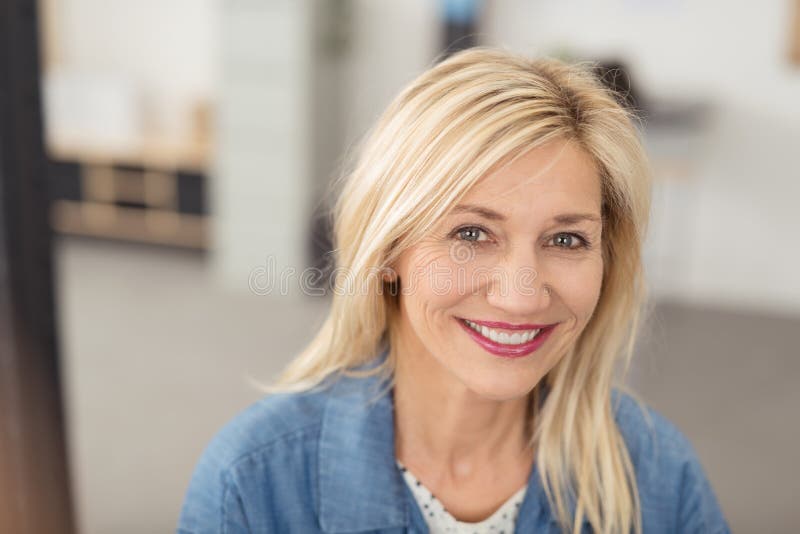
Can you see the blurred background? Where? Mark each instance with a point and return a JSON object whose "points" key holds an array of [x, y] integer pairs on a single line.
{"points": [[187, 150]]}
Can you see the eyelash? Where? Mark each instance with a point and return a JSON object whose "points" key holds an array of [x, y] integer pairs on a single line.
{"points": [[583, 241]]}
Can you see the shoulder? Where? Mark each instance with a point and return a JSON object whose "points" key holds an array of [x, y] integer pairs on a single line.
{"points": [[649, 436], [265, 424], [674, 491], [272, 443]]}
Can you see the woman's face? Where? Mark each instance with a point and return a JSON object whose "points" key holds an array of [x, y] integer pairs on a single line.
{"points": [[522, 248]]}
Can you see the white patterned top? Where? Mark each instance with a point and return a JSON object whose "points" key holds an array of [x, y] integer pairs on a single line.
{"points": [[440, 521]]}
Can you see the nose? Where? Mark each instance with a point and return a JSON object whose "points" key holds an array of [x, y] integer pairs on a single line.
{"points": [[519, 286]]}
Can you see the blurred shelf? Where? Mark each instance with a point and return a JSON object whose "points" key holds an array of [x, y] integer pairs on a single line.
{"points": [[131, 224], [123, 200]]}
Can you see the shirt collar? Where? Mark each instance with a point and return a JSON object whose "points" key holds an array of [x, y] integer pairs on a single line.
{"points": [[360, 487]]}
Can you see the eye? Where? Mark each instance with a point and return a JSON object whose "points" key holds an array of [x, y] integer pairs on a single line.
{"points": [[570, 241], [470, 234]]}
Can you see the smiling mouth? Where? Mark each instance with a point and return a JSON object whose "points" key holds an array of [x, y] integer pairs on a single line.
{"points": [[516, 337], [509, 342]]}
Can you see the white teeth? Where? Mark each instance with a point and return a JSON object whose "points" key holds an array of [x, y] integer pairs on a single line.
{"points": [[527, 336], [517, 338]]}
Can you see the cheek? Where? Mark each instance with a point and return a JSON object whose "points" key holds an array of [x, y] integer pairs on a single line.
{"points": [[430, 283], [580, 288]]}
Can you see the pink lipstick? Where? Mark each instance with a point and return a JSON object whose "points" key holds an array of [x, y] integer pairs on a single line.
{"points": [[503, 349]]}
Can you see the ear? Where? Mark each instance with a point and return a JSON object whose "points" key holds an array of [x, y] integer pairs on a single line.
{"points": [[389, 275]]}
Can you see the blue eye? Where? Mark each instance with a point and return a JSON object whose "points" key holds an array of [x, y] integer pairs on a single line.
{"points": [[470, 233], [571, 241]]}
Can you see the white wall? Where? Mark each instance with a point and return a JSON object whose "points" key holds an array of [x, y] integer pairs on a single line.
{"points": [[261, 191], [168, 47], [392, 43], [735, 51]]}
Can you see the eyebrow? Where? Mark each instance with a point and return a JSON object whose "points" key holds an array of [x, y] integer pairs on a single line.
{"points": [[566, 218]]}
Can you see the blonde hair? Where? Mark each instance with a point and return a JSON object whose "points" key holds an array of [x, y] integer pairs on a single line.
{"points": [[443, 132]]}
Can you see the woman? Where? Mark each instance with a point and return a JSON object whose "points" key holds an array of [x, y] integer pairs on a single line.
{"points": [[489, 280]]}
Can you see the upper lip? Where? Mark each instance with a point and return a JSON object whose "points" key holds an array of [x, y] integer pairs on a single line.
{"points": [[509, 326]]}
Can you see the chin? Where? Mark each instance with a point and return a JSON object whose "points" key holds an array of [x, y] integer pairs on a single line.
{"points": [[502, 388]]}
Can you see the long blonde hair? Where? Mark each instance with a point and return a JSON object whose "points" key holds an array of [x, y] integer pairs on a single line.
{"points": [[443, 132]]}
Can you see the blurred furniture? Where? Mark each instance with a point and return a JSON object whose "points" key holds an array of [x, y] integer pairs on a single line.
{"points": [[145, 199]]}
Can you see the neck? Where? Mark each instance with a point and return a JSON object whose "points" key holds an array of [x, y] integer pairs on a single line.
{"points": [[449, 432]]}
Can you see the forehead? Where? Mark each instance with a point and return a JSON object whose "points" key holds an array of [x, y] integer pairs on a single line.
{"points": [[548, 179]]}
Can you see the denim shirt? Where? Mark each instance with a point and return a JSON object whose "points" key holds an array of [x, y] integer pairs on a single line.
{"points": [[324, 461]]}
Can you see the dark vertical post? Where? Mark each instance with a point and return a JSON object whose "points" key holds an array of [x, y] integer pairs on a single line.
{"points": [[34, 483], [460, 18], [794, 44]]}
